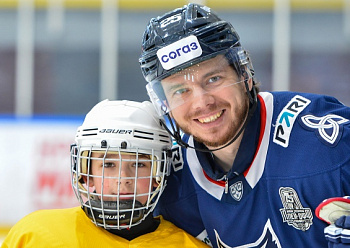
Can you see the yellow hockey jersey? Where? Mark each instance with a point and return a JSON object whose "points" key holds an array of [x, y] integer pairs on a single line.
{"points": [[70, 227]]}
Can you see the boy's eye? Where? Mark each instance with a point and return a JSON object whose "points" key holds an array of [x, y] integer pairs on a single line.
{"points": [[108, 164], [139, 165]]}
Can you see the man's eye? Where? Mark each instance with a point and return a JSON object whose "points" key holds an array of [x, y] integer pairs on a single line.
{"points": [[214, 79], [180, 91]]}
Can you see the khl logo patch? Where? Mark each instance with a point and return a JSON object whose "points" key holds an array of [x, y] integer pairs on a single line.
{"points": [[328, 128], [236, 190], [293, 212]]}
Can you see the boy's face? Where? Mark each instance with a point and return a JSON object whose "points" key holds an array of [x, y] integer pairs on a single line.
{"points": [[121, 177]]}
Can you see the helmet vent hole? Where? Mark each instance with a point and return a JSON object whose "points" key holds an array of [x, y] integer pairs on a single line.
{"points": [[149, 48], [123, 145], [199, 15], [200, 25]]}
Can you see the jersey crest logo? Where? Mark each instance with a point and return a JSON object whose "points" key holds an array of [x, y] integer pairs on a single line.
{"points": [[286, 119], [176, 158], [268, 239], [327, 128], [293, 212], [236, 190]]}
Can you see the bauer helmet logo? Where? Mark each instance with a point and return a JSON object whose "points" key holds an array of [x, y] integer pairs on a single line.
{"points": [[115, 131], [179, 52]]}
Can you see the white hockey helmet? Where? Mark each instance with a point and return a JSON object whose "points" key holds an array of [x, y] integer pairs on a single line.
{"points": [[120, 128]]}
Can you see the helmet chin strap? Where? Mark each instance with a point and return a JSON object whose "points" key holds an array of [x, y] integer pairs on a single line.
{"points": [[177, 136], [110, 213]]}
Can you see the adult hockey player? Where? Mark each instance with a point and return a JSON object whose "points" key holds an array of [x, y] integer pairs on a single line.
{"points": [[249, 168], [119, 168]]}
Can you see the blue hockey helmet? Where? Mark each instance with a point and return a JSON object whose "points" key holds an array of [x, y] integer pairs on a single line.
{"points": [[186, 37], [214, 35]]}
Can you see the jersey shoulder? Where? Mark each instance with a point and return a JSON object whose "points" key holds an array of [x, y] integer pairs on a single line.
{"points": [[60, 228], [315, 103], [308, 129], [38, 229]]}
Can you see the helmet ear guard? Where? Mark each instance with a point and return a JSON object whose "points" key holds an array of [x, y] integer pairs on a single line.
{"points": [[241, 61], [75, 163]]}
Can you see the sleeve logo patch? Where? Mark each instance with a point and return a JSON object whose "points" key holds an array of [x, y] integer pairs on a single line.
{"points": [[328, 128], [286, 119], [179, 52]]}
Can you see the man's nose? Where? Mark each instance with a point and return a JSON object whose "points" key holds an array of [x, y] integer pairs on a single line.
{"points": [[201, 97]]}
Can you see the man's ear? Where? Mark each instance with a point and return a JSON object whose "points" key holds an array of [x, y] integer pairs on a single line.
{"points": [[250, 84]]}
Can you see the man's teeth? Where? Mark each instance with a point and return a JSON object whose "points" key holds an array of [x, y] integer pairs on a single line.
{"points": [[210, 118]]}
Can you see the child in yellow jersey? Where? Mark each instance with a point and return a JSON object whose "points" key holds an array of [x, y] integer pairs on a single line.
{"points": [[119, 166]]}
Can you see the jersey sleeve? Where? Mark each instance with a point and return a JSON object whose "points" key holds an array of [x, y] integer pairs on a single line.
{"points": [[337, 237]]}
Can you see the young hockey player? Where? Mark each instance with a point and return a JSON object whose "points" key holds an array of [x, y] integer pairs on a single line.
{"points": [[120, 162]]}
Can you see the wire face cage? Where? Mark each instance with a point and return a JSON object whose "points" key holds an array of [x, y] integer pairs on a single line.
{"points": [[117, 188]]}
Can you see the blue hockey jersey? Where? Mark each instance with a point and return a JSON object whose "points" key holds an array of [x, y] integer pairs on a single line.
{"points": [[295, 153]]}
